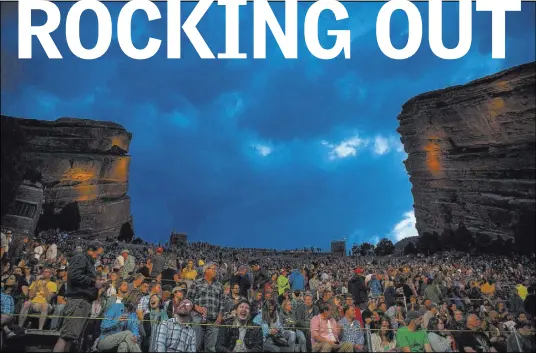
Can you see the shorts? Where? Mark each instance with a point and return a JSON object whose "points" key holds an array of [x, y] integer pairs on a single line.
{"points": [[75, 317], [36, 308]]}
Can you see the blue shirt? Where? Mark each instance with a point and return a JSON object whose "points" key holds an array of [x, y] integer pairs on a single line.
{"points": [[8, 306], [297, 282], [265, 327], [111, 324], [352, 333]]}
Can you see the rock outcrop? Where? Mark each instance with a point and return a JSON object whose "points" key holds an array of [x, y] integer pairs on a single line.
{"points": [[471, 154], [77, 161]]}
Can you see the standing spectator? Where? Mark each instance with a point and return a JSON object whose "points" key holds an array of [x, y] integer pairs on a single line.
{"points": [[282, 282], [82, 289], [260, 277], [3, 246], [242, 280], [296, 280], [157, 263], [358, 289], [17, 250], [38, 250], [52, 252], [129, 263], [207, 295]]}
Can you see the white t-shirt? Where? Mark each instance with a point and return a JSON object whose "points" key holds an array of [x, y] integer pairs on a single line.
{"points": [[38, 251]]}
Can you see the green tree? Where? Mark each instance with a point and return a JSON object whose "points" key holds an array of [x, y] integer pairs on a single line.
{"points": [[384, 247], [428, 243], [366, 248]]}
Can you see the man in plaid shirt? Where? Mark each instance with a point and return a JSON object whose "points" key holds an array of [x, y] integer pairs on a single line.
{"points": [[207, 296], [176, 335], [8, 308]]}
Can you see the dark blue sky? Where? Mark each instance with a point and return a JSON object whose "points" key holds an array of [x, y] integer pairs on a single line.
{"points": [[258, 153]]}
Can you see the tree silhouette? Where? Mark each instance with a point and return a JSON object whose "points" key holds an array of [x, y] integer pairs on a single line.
{"points": [[428, 243], [126, 233], [463, 238], [366, 248], [410, 249], [384, 247], [524, 234]]}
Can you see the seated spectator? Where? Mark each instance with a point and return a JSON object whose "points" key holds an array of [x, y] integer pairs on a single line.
{"points": [[384, 339], [325, 333], [522, 339], [276, 338], [440, 340], [289, 320], [352, 332], [175, 334], [119, 329], [7, 311], [41, 293], [473, 339], [239, 333], [413, 338]]}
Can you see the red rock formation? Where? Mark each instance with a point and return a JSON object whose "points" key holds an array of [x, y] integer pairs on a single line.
{"points": [[471, 154], [81, 161]]}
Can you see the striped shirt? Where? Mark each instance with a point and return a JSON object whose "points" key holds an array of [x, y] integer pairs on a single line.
{"points": [[172, 336]]}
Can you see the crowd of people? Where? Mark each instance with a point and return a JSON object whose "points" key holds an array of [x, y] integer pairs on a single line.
{"points": [[117, 297]]}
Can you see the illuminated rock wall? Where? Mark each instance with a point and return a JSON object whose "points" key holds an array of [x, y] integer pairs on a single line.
{"points": [[471, 153], [81, 161]]}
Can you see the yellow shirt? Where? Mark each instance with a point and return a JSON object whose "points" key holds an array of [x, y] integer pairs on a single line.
{"points": [[486, 288], [522, 291], [189, 274], [40, 294]]}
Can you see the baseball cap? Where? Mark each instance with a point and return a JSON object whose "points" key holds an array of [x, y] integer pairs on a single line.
{"points": [[176, 289], [411, 315]]}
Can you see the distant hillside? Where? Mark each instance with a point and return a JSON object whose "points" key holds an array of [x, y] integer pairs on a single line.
{"points": [[399, 247]]}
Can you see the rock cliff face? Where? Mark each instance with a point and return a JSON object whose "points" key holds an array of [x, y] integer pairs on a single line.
{"points": [[471, 154], [77, 161]]}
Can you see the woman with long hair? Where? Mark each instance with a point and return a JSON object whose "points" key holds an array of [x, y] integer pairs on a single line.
{"points": [[289, 320], [151, 320], [276, 338], [440, 339], [383, 339]]}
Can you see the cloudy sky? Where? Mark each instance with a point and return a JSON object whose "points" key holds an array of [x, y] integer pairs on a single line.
{"points": [[258, 153]]}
